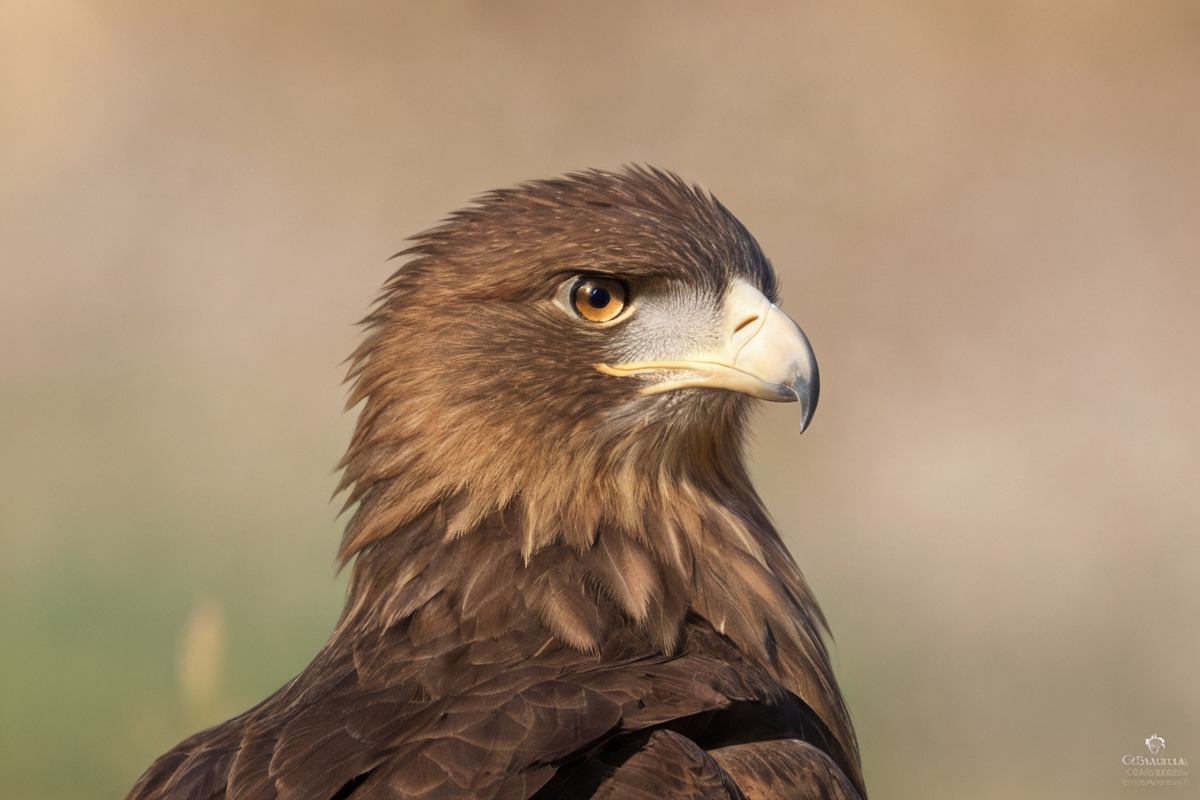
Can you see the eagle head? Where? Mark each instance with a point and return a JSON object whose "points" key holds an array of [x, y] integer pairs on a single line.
{"points": [[571, 347]]}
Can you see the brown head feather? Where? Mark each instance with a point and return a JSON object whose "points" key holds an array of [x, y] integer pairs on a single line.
{"points": [[474, 386]]}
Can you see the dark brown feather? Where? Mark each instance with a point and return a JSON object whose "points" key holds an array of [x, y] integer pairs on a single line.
{"points": [[659, 764], [783, 768]]}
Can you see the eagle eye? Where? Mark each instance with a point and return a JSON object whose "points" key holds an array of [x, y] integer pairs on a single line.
{"points": [[598, 299]]}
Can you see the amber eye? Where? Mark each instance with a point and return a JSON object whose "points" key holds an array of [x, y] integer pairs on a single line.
{"points": [[598, 299]]}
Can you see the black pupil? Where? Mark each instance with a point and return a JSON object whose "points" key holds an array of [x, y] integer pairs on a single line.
{"points": [[598, 297]]}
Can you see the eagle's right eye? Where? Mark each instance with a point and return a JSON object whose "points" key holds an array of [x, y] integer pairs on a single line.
{"points": [[598, 299]]}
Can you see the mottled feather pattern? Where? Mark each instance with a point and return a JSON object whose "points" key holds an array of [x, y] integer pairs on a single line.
{"points": [[560, 588]]}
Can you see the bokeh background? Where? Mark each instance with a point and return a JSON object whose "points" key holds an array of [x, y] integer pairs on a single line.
{"points": [[986, 216]]}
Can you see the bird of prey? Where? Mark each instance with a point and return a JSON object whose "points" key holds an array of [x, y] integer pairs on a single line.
{"points": [[564, 584]]}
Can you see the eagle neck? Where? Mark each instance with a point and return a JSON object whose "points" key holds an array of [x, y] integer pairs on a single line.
{"points": [[696, 552]]}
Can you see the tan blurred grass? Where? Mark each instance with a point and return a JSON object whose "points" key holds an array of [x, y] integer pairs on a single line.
{"points": [[984, 215], [200, 661]]}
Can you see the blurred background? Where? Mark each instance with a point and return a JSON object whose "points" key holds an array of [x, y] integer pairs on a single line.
{"points": [[986, 216]]}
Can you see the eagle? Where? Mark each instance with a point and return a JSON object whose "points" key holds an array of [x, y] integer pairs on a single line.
{"points": [[563, 582]]}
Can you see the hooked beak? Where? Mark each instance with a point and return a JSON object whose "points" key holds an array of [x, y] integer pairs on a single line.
{"points": [[762, 353]]}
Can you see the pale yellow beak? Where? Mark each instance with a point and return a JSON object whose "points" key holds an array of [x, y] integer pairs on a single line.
{"points": [[762, 353]]}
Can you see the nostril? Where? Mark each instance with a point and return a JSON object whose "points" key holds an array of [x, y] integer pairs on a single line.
{"points": [[745, 322]]}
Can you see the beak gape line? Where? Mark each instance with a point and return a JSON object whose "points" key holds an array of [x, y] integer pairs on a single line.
{"points": [[763, 353]]}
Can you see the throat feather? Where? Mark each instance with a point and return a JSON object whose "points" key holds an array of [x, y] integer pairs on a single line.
{"points": [[691, 554]]}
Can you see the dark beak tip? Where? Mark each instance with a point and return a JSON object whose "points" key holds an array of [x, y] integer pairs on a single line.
{"points": [[808, 396]]}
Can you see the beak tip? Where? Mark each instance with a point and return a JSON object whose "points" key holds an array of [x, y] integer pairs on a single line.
{"points": [[807, 392], [806, 415]]}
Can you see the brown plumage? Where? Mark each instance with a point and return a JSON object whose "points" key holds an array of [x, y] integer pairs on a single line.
{"points": [[563, 582]]}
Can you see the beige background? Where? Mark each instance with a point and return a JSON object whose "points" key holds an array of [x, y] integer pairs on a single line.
{"points": [[986, 216]]}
